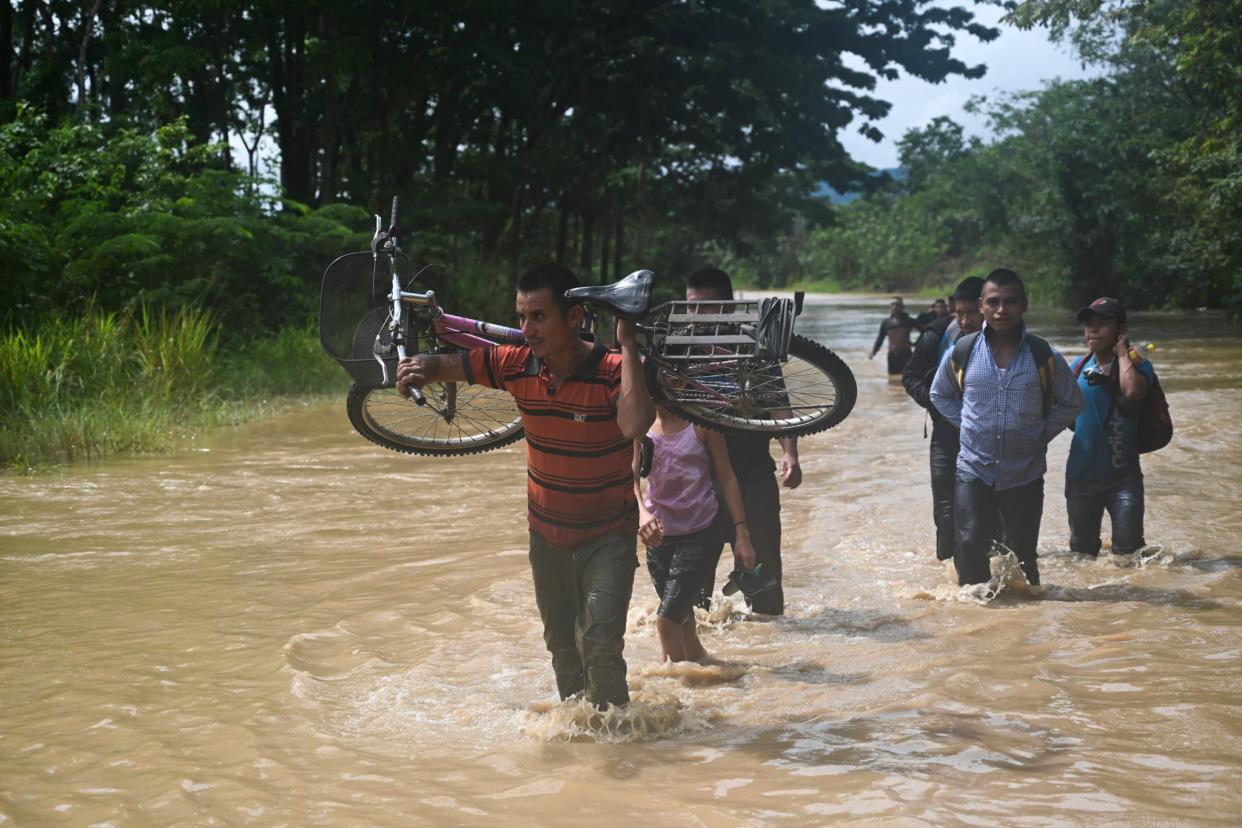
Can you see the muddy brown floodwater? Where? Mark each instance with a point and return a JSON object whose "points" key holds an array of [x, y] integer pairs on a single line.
{"points": [[284, 625]]}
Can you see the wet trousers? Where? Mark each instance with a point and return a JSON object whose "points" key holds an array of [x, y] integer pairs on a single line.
{"points": [[583, 594], [897, 360], [945, 444], [761, 497], [1123, 500], [980, 511]]}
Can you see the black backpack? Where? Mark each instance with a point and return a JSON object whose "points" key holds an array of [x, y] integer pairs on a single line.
{"points": [[1041, 351]]}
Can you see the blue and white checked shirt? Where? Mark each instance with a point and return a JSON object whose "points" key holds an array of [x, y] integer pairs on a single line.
{"points": [[1004, 433]]}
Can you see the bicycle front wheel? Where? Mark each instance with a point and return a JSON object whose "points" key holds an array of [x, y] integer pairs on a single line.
{"points": [[457, 419], [811, 392]]}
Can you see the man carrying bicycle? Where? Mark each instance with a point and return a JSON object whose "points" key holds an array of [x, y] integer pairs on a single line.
{"points": [[581, 406]]}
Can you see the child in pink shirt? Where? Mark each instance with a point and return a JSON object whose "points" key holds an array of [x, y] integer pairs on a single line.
{"points": [[675, 521]]}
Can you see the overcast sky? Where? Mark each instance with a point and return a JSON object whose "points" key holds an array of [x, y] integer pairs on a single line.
{"points": [[1016, 60]]}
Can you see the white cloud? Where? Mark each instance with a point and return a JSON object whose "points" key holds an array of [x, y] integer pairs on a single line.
{"points": [[1016, 60]]}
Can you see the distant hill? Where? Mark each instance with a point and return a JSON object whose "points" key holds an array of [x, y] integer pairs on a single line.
{"points": [[824, 191]]}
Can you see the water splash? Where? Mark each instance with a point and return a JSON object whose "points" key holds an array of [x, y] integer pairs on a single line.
{"points": [[707, 673], [650, 715]]}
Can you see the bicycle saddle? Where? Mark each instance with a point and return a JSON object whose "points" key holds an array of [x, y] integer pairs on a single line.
{"points": [[628, 298]]}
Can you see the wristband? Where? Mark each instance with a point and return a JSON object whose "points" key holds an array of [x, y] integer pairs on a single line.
{"points": [[739, 523]]}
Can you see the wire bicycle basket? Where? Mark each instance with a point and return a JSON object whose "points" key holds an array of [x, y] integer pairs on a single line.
{"points": [[719, 330], [354, 310]]}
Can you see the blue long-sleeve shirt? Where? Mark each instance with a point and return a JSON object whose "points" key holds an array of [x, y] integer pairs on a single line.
{"points": [[1005, 435]]}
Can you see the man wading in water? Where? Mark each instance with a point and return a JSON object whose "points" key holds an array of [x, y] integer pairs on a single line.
{"points": [[757, 476], [1103, 471], [1010, 393], [935, 342], [581, 407], [897, 328]]}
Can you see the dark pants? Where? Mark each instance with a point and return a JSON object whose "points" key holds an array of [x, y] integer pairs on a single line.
{"points": [[945, 444], [583, 594], [980, 511], [761, 497], [1122, 500], [677, 567], [897, 360]]}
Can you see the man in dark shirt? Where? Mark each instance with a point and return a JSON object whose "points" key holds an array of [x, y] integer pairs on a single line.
{"points": [[757, 476], [897, 330], [917, 378], [939, 309]]}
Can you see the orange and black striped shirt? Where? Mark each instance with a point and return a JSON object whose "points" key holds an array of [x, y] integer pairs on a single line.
{"points": [[580, 483]]}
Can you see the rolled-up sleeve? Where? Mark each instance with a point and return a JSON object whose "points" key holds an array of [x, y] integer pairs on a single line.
{"points": [[1067, 399]]}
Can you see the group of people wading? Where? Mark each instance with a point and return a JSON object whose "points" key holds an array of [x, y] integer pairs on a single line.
{"points": [[998, 395], [587, 414]]}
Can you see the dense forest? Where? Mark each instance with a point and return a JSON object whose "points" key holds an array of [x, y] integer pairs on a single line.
{"points": [[607, 135]]}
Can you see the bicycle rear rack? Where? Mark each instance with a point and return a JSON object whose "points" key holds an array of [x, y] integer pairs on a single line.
{"points": [[732, 329]]}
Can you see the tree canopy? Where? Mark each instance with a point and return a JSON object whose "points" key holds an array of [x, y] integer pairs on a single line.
{"points": [[603, 134]]}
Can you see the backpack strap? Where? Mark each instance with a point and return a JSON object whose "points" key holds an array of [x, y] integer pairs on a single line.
{"points": [[1041, 352], [960, 356], [1078, 365]]}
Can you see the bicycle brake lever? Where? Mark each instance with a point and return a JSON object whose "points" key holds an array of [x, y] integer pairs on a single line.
{"points": [[380, 236]]}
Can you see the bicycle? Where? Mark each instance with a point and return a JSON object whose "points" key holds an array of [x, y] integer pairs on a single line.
{"points": [[732, 365]]}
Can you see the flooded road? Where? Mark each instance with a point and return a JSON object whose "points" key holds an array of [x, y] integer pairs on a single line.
{"points": [[285, 625]]}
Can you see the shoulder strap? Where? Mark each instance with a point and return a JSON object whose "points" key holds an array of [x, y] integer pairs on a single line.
{"points": [[1078, 365], [1041, 352], [961, 355]]}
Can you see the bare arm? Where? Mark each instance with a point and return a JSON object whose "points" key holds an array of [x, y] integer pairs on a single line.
{"points": [[1133, 383], [635, 409], [1067, 400], [879, 340], [650, 530], [419, 370], [723, 469], [789, 469]]}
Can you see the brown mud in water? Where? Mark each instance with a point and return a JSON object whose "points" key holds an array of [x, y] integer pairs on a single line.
{"points": [[288, 626]]}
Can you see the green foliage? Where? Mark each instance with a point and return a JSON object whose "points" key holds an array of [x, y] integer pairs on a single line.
{"points": [[519, 131], [128, 217], [77, 388], [1127, 185]]}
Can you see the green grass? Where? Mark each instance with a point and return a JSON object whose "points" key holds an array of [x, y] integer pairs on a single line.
{"points": [[102, 383]]}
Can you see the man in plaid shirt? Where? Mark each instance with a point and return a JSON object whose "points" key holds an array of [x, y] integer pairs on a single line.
{"points": [[1008, 414]]}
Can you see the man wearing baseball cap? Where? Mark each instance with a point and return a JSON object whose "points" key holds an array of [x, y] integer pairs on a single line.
{"points": [[1103, 472]]}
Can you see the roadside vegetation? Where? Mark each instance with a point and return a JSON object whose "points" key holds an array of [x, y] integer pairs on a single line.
{"points": [[103, 382]]}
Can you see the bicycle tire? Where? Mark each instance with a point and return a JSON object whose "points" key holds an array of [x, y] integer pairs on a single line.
{"points": [[387, 419], [815, 380]]}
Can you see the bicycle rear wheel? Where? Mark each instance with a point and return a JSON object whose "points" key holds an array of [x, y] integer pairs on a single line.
{"points": [[458, 419], [811, 392]]}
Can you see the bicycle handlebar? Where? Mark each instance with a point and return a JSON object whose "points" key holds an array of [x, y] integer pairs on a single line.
{"points": [[394, 216]]}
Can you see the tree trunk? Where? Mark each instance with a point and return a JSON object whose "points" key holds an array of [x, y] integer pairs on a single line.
{"points": [[6, 50], [640, 234], [562, 230], [588, 238], [618, 241], [286, 39], [111, 16], [88, 29], [25, 58], [606, 237]]}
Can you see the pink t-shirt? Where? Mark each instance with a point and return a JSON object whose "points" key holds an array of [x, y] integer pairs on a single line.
{"points": [[679, 486]]}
